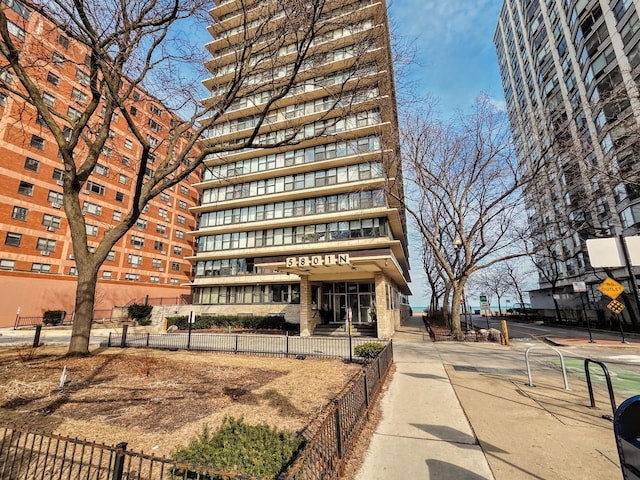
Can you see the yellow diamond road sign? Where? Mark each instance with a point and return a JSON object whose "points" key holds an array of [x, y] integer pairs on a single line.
{"points": [[611, 288]]}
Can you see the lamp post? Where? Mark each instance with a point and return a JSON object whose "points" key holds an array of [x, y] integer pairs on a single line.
{"points": [[457, 244]]}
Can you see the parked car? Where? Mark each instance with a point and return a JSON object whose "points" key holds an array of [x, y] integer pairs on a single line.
{"points": [[520, 308]]}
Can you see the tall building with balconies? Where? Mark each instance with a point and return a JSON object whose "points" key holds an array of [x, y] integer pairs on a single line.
{"points": [[570, 76], [37, 266], [313, 229]]}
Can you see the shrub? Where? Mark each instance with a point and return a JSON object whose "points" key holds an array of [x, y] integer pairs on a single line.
{"points": [[53, 317], [270, 322], [137, 311], [369, 351], [251, 449]]}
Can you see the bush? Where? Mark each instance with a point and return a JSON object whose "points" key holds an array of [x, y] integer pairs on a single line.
{"points": [[137, 311], [251, 449], [269, 322], [369, 351], [53, 317]]}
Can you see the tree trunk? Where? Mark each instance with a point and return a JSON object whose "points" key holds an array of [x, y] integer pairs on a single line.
{"points": [[456, 326], [85, 296]]}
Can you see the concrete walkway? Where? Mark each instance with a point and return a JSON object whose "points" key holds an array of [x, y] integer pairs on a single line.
{"points": [[424, 433]]}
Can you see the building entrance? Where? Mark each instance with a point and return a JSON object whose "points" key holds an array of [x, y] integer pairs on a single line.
{"points": [[354, 301]]}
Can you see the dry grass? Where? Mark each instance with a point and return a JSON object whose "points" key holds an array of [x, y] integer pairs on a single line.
{"points": [[157, 400]]}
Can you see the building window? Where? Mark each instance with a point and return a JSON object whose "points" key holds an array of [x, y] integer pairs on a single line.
{"points": [[41, 267], [177, 250], [164, 196], [83, 78], [63, 41], [155, 110], [175, 281], [184, 190], [152, 141], [101, 170], [16, 30], [134, 277], [46, 245], [119, 197], [125, 161], [137, 242], [179, 234], [156, 263], [154, 279], [157, 245], [133, 110], [162, 212], [181, 220], [55, 199], [7, 264], [161, 229], [107, 274], [48, 99], [53, 79], [134, 259], [128, 143], [79, 96], [93, 187], [141, 224], [155, 126], [13, 239], [175, 266], [25, 188], [37, 142], [122, 178], [117, 216], [31, 164], [19, 213], [92, 208], [73, 114], [182, 204], [92, 230], [57, 59], [111, 256], [51, 221]]}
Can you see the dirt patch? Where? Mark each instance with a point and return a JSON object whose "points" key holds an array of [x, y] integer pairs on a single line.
{"points": [[157, 400]]}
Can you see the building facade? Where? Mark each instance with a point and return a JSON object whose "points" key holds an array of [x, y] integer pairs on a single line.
{"points": [[37, 268], [570, 75], [313, 229]]}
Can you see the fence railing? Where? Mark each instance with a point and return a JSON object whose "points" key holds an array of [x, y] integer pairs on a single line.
{"points": [[324, 456], [247, 344], [99, 316], [25, 455]]}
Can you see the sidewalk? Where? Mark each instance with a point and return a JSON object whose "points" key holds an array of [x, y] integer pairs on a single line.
{"points": [[463, 411], [424, 432]]}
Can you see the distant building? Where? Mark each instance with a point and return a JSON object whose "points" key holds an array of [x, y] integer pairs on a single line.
{"points": [[310, 230], [37, 268], [570, 76]]}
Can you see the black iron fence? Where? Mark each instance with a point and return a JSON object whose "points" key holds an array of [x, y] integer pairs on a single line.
{"points": [[28, 455], [99, 316], [248, 344], [324, 456]]}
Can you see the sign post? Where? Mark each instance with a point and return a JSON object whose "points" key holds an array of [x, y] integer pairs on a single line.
{"points": [[192, 320], [580, 288], [613, 289]]}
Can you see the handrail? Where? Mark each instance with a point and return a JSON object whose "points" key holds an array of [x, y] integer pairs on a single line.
{"points": [[612, 397], [564, 370]]}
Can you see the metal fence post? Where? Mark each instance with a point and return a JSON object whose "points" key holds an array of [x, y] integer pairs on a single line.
{"points": [[123, 340], [366, 389], [118, 463], [36, 337], [338, 428]]}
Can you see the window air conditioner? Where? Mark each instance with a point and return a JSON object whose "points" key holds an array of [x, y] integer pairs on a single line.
{"points": [[51, 229], [55, 205], [45, 253], [60, 182]]}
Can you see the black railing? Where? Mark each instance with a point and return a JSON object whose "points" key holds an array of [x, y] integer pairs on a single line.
{"points": [[247, 344], [325, 454], [26, 455]]}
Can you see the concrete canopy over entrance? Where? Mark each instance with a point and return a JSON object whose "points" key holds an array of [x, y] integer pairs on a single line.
{"points": [[378, 266]]}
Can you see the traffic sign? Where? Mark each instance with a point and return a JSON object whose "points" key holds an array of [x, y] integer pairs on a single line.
{"points": [[615, 306], [611, 288]]}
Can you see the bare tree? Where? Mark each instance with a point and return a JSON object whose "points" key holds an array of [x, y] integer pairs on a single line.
{"points": [[138, 46], [463, 192], [494, 282]]}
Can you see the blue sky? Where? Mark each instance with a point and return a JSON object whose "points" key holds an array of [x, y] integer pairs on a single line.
{"points": [[455, 62]]}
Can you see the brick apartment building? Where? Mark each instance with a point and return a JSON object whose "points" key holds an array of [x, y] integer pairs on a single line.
{"points": [[37, 268]]}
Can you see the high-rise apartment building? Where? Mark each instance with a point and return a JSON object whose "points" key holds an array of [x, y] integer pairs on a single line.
{"points": [[37, 268], [312, 229], [570, 75]]}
